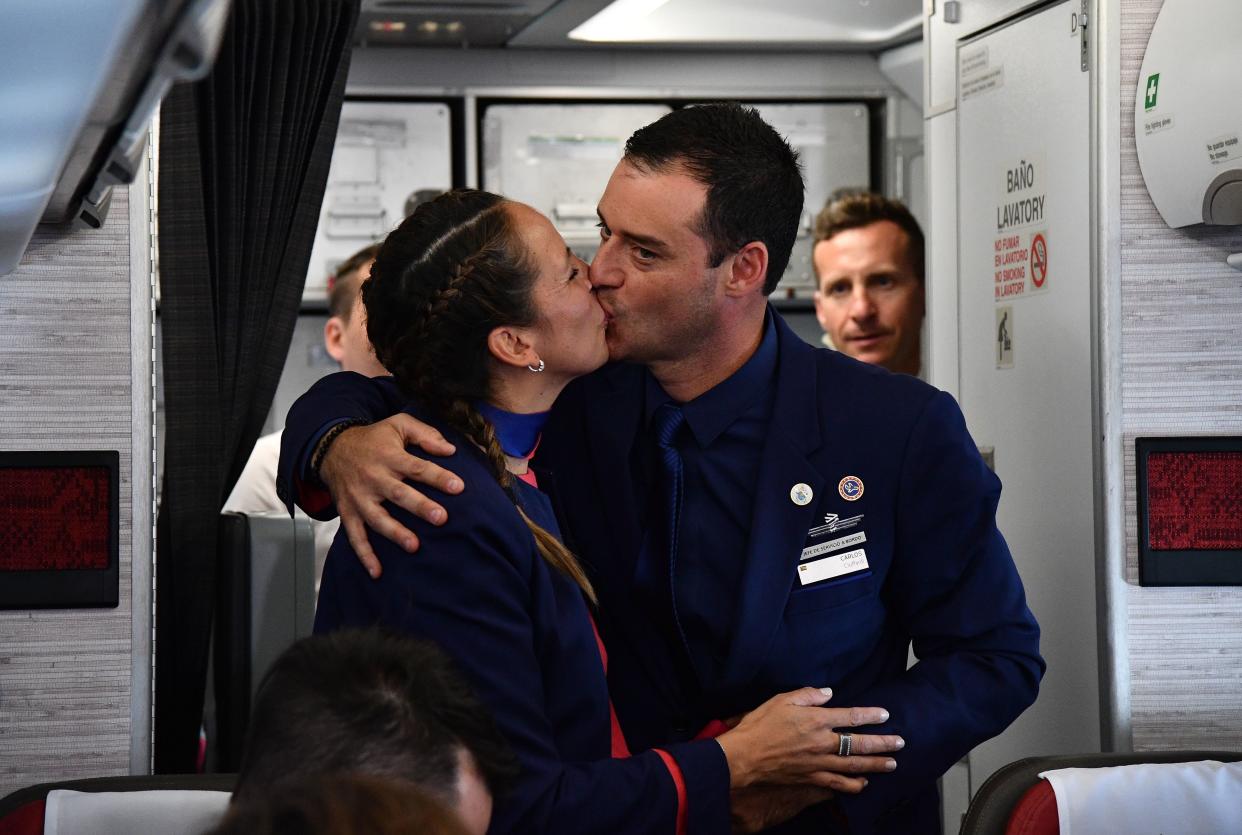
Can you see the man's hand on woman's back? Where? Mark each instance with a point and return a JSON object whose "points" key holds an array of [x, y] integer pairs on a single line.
{"points": [[368, 465]]}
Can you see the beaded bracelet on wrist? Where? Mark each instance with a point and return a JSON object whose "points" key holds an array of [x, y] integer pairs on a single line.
{"points": [[321, 451]]}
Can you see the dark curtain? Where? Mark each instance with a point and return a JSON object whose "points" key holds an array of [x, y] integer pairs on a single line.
{"points": [[244, 158]]}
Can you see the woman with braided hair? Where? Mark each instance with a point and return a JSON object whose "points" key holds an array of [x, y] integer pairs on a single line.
{"points": [[484, 315]]}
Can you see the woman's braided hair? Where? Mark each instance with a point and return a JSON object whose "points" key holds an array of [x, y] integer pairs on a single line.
{"points": [[450, 273]]}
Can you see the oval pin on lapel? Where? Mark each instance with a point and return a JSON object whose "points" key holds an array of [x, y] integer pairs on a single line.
{"points": [[801, 494]]}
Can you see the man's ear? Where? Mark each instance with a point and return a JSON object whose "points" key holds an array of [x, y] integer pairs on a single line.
{"points": [[512, 346], [333, 338], [821, 310], [749, 270]]}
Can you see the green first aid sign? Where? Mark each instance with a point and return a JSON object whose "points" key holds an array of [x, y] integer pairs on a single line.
{"points": [[1153, 86]]}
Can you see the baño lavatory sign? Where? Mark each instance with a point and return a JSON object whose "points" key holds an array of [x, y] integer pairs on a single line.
{"points": [[1020, 251]]}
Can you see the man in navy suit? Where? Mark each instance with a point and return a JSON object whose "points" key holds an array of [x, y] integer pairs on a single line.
{"points": [[757, 514]]}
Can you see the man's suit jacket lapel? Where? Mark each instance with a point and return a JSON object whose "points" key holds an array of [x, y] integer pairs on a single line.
{"points": [[613, 411], [614, 414], [778, 524]]}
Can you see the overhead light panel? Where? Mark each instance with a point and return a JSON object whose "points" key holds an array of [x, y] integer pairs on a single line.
{"points": [[780, 22], [621, 20]]}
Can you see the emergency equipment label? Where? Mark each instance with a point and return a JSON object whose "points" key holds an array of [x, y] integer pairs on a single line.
{"points": [[1157, 123], [1223, 148]]}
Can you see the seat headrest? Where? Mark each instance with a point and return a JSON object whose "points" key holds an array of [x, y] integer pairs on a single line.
{"points": [[1187, 798], [160, 812]]}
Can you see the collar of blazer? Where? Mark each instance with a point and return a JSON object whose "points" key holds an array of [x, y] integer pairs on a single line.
{"points": [[614, 410]]}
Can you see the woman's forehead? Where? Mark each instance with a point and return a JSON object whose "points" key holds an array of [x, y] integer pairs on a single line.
{"points": [[537, 232]]}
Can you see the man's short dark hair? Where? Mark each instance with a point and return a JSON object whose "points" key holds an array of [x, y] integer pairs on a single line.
{"points": [[344, 283], [855, 208], [753, 179], [369, 702]]}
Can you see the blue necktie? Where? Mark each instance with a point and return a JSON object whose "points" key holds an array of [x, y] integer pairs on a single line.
{"points": [[667, 422], [658, 558]]}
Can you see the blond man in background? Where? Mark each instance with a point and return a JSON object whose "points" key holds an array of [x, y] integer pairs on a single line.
{"points": [[870, 298]]}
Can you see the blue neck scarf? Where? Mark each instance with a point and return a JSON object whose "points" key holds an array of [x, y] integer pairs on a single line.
{"points": [[518, 434]]}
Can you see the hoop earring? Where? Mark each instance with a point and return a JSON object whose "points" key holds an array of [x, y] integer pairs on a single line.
{"points": [[540, 367]]}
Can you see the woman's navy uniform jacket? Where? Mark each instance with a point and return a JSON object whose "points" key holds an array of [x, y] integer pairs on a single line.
{"points": [[939, 574], [521, 633]]}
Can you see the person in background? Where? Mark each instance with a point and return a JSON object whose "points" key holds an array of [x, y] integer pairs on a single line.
{"points": [[420, 196], [868, 260], [345, 338], [345, 332], [369, 703], [343, 804]]}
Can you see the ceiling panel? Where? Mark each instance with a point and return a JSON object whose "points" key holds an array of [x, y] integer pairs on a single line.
{"points": [[835, 24], [440, 24], [856, 24]]}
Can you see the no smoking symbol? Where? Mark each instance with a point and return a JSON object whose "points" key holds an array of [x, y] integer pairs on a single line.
{"points": [[1039, 261]]}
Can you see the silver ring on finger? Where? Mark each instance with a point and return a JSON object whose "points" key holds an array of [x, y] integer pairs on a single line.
{"points": [[845, 745]]}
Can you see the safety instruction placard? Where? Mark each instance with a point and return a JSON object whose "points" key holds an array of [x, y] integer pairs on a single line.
{"points": [[1004, 336], [1224, 149], [1020, 248], [976, 75]]}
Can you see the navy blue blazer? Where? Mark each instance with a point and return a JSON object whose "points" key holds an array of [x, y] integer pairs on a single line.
{"points": [[939, 575], [521, 633]]}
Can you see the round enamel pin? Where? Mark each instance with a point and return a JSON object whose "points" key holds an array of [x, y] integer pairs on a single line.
{"points": [[850, 488], [801, 494]]}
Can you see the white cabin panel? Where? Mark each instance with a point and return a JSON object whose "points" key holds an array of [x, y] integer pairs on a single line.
{"points": [[1025, 329]]}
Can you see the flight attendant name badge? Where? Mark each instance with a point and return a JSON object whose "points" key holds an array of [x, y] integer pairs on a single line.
{"points": [[837, 565]]}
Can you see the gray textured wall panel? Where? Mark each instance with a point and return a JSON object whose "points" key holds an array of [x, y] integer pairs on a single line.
{"points": [[66, 383], [1182, 374]]}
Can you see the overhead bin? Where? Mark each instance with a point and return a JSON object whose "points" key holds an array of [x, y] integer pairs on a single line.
{"points": [[79, 97]]}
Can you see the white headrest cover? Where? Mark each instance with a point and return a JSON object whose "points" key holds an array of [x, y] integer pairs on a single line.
{"points": [[159, 812], [1182, 798]]}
